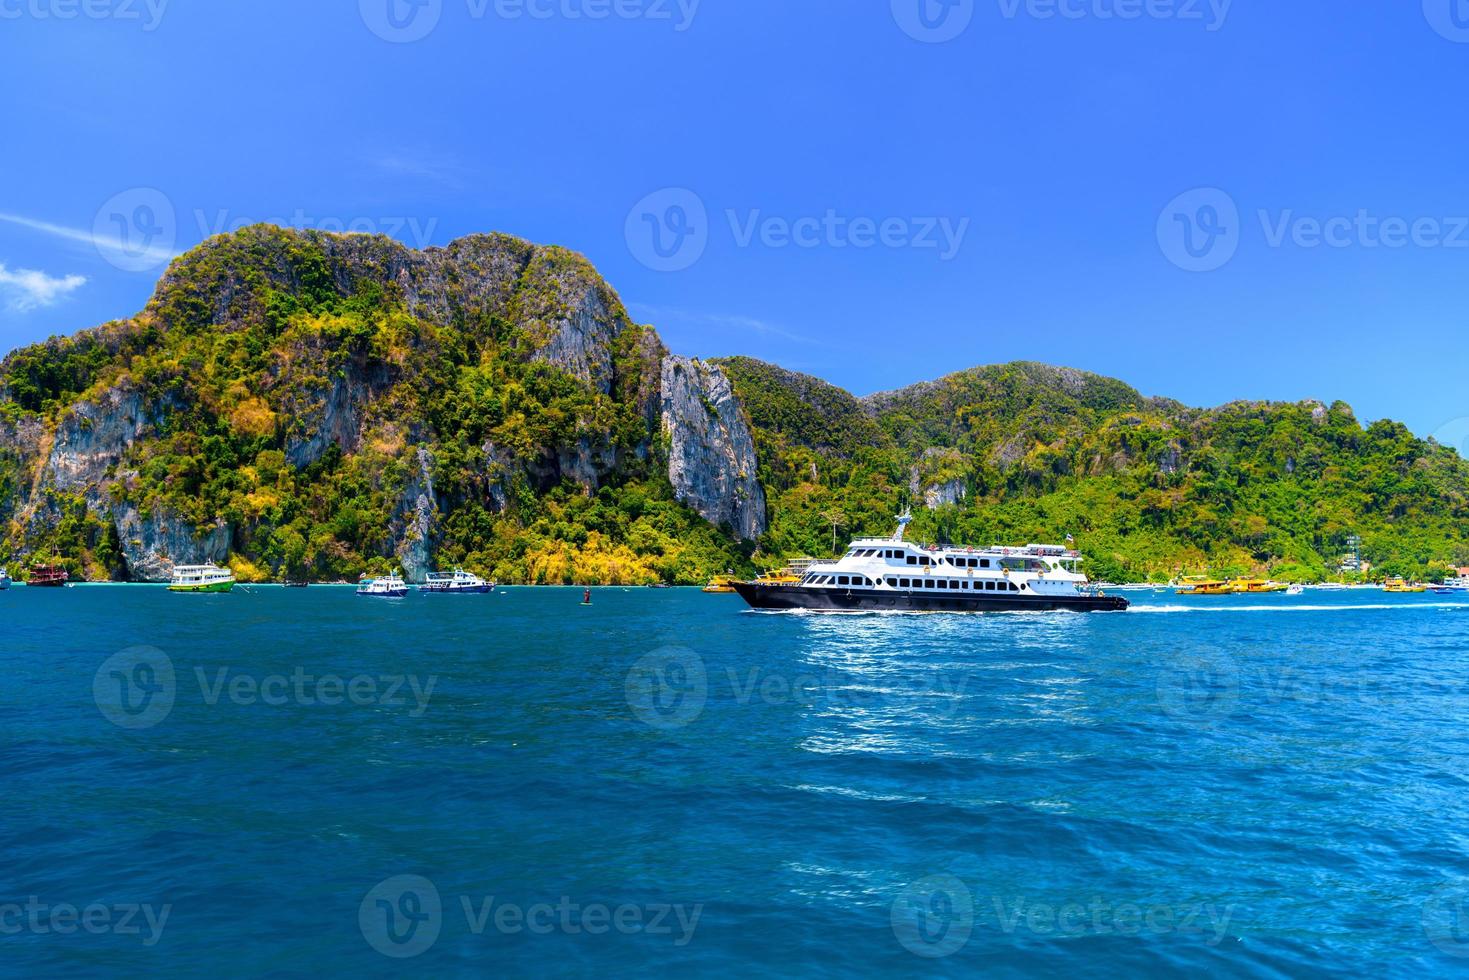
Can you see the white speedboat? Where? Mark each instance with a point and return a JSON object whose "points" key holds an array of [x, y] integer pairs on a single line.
{"points": [[457, 582], [880, 574], [1331, 587], [201, 578], [388, 587], [1296, 590]]}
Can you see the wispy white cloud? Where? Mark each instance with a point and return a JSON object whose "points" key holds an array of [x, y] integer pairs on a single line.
{"points": [[734, 323], [107, 245], [28, 289], [423, 165]]}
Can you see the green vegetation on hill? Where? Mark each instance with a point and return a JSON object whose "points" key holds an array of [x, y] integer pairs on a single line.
{"points": [[338, 404], [1148, 487], [263, 354]]}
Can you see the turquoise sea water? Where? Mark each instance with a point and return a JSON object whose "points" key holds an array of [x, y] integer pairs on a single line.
{"points": [[517, 785]]}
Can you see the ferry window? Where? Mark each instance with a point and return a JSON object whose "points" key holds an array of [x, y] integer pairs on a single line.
{"points": [[966, 585], [1013, 587], [984, 563], [942, 584], [912, 560], [841, 580], [989, 586]]}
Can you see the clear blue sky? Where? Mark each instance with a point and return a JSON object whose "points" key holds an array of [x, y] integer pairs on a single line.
{"points": [[1054, 144]]}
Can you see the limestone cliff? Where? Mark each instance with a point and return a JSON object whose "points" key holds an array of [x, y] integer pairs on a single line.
{"points": [[711, 453]]}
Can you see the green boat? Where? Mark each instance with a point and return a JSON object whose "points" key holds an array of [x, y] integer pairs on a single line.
{"points": [[201, 578]]}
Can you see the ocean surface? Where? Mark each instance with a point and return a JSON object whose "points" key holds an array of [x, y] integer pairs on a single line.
{"points": [[290, 782]]}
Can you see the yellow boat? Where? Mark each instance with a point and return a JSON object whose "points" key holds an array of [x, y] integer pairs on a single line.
{"points": [[1198, 585], [1255, 586], [721, 585], [1398, 585]]}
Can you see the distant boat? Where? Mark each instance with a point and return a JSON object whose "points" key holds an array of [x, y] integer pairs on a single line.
{"points": [[1332, 587], [1296, 590], [201, 578], [1199, 585], [720, 585], [48, 577], [296, 584], [388, 587], [457, 582], [586, 598], [4, 580], [1400, 586]]}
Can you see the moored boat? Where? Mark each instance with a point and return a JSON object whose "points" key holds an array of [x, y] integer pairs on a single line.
{"points": [[388, 587], [890, 574], [4, 579], [1200, 585], [48, 577], [208, 578], [1255, 586], [1401, 586], [457, 582], [720, 585]]}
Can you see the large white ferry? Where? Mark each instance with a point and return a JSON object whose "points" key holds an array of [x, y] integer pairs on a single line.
{"points": [[893, 574]]}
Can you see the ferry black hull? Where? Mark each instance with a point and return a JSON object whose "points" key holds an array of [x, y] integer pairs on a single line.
{"points": [[874, 600]]}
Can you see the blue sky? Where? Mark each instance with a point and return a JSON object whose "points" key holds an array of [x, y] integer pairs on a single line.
{"points": [[1208, 200]]}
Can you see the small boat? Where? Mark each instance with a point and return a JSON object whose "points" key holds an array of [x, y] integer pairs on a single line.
{"points": [[1198, 585], [201, 578], [296, 584], [1255, 586], [721, 585], [1332, 587], [48, 577], [457, 582], [1400, 586], [586, 598], [388, 587], [4, 579], [1296, 590]]}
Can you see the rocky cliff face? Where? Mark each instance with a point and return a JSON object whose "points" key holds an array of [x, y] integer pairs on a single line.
{"points": [[154, 540], [711, 453]]}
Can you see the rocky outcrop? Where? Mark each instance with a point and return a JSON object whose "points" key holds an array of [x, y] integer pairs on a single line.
{"points": [[154, 541], [936, 479], [711, 453], [94, 436], [416, 519]]}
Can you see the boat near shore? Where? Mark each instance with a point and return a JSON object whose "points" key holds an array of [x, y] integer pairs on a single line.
{"points": [[48, 577], [891, 574], [457, 582], [201, 578], [388, 587]]}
